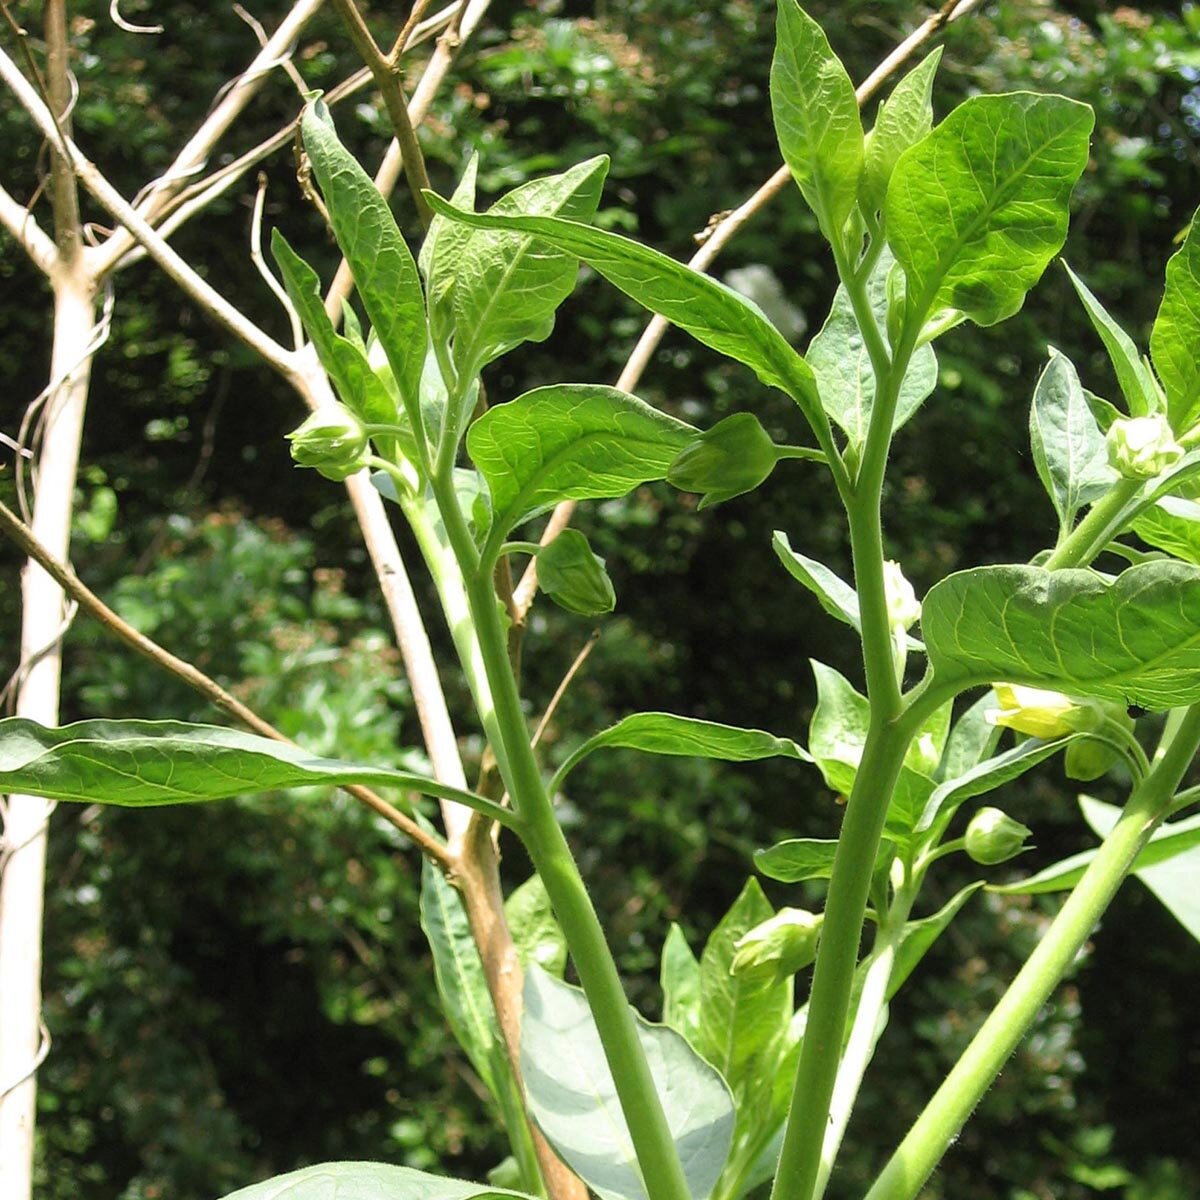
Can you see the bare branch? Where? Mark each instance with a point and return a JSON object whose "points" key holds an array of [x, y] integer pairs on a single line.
{"points": [[28, 234], [114, 13]]}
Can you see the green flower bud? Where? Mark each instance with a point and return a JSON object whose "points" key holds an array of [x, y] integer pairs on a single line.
{"points": [[903, 607], [1089, 758], [1142, 447], [1041, 713], [732, 457], [573, 577], [779, 947], [332, 440], [994, 837]]}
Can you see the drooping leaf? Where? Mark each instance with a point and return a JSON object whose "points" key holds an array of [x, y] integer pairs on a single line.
{"points": [[1069, 450], [383, 267], [1135, 640], [574, 1100], [904, 118], [1173, 525], [711, 312], [1133, 376], [816, 118], [976, 210], [143, 763], [679, 975], [666, 733], [918, 937], [366, 1181], [845, 378], [797, 859], [836, 596], [535, 930], [1176, 334], [570, 441]]}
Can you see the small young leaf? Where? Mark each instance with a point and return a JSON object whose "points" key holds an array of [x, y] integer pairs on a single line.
{"points": [[1133, 376], [679, 975], [1176, 333], [1135, 641], [536, 933], [904, 118], [838, 729], [836, 596], [441, 249], [1069, 450], [972, 739], [359, 1180], [797, 859], [570, 441], [711, 312], [383, 267], [816, 118], [1172, 524], [976, 210], [574, 1100]]}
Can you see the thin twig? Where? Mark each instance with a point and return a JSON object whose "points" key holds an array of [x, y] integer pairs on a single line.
{"points": [[260, 264], [561, 690], [12, 526], [717, 236]]}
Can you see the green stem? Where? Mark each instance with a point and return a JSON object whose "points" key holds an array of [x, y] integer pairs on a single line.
{"points": [[938, 1126], [1097, 529], [648, 1129]]}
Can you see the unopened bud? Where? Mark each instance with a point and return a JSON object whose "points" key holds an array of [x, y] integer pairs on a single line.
{"points": [[1041, 713], [780, 946], [1142, 447], [732, 457], [332, 441], [903, 607], [1089, 758], [994, 837], [573, 577]]}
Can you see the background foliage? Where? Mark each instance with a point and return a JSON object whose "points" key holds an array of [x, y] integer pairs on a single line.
{"points": [[237, 990]]}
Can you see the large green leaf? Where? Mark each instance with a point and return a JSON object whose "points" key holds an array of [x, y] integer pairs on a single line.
{"points": [[845, 378], [1069, 450], [574, 1100], [976, 210], [365, 1181], [383, 267], [570, 441], [1133, 376], [142, 763], [904, 118], [711, 312], [1172, 524], [816, 118], [1176, 334], [1135, 640], [688, 737]]}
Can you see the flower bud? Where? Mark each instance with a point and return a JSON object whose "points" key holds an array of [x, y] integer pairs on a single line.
{"points": [[332, 440], [1041, 713], [1142, 447], [732, 457], [903, 607], [1089, 758], [779, 947], [994, 837], [573, 577]]}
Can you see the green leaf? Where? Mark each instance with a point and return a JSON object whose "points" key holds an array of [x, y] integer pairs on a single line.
{"points": [[458, 970], [687, 737], [918, 937], [712, 313], [507, 287], [797, 859], [573, 441], [1069, 450], [1173, 525], [1176, 334], [382, 265], [366, 1181], [845, 378], [740, 1015], [904, 118], [679, 975], [976, 210], [1133, 376], [360, 389], [1135, 641], [838, 730], [971, 740], [574, 1100], [138, 764], [440, 252], [816, 118], [536, 933]]}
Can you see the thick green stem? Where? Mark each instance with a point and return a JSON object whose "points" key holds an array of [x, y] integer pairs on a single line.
{"points": [[652, 1141], [938, 1126]]}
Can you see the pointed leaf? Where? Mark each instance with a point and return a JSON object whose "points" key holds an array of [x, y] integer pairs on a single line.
{"points": [[574, 1100], [1133, 376], [711, 312], [971, 740], [383, 267], [1173, 525], [836, 596], [1135, 641], [976, 210], [797, 859], [679, 975], [816, 118], [570, 441], [919, 936], [1068, 448], [366, 1181], [536, 933], [1176, 334]]}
